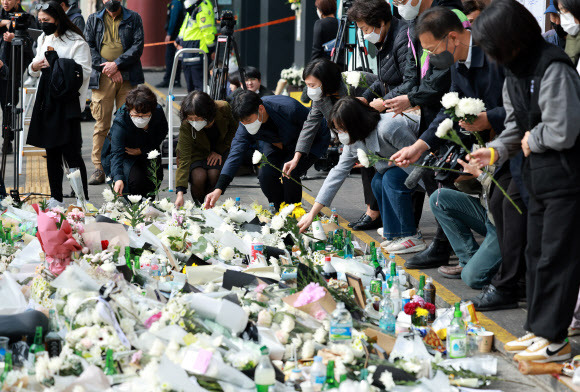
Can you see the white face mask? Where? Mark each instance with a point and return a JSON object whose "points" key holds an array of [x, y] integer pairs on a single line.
{"points": [[373, 37], [141, 122], [254, 127], [198, 125], [315, 93], [319, 13], [408, 11], [344, 138], [569, 24]]}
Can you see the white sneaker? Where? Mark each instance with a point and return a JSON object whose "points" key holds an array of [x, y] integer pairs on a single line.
{"points": [[410, 244], [386, 243], [522, 343], [380, 232], [545, 351], [53, 203]]}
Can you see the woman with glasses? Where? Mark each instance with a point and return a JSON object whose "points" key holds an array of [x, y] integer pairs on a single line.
{"points": [[138, 130], [63, 62]]}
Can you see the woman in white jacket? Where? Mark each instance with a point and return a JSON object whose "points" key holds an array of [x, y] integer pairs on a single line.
{"points": [[59, 134]]}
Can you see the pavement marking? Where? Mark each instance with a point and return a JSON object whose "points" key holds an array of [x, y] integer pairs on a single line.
{"points": [[156, 91], [447, 295]]}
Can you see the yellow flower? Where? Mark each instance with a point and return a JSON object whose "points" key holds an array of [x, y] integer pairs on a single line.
{"points": [[420, 312], [298, 211]]}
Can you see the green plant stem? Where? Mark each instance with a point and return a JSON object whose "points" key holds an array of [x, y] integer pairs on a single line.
{"points": [[423, 166], [267, 162]]}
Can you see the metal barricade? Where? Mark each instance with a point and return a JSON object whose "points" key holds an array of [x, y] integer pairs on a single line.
{"points": [[171, 98]]}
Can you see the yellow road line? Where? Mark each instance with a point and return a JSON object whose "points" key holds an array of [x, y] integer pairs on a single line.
{"points": [[164, 96], [447, 295]]}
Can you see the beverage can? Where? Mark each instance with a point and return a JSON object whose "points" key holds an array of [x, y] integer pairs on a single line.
{"points": [[257, 248], [318, 231], [376, 287]]}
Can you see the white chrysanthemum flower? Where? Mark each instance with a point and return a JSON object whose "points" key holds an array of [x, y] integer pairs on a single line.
{"points": [[469, 107], [134, 198], [257, 157], [265, 318], [450, 100], [288, 324], [265, 230], [229, 203], [444, 128], [209, 250], [307, 350], [284, 212], [363, 158], [7, 201], [108, 267], [153, 154], [387, 380], [352, 78], [277, 222], [108, 195], [227, 253]]}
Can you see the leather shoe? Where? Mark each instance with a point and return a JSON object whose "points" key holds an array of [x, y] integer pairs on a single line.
{"points": [[163, 84], [436, 255], [367, 223], [354, 223], [493, 299], [450, 271]]}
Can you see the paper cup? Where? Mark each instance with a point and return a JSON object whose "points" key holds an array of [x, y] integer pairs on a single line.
{"points": [[485, 341]]}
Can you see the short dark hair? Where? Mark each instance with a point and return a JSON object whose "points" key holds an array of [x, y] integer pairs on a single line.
{"points": [[142, 99], [199, 104], [66, 3], [64, 24], [572, 6], [327, 72], [245, 104], [234, 78], [327, 7], [351, 115], [470, 6], [439, 21], [372, 12], [506, 18], [253, 73]]}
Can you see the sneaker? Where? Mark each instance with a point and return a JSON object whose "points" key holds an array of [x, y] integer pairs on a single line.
{"points": [[380, 232], [522, 343], [545, 351], [97, 178], [386, 243], [573, 331], [410, 244], [53, 203]]}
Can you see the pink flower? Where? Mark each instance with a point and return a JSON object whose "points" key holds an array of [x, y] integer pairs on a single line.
{"points": [[419, 300], [311, 293], [87, 343], [320, 315], [260, 288], [136, 358], [152, 319], [56, 266]]}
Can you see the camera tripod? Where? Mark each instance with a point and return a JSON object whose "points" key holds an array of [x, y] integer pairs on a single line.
{"points": [[221, 65], [342, 46]]}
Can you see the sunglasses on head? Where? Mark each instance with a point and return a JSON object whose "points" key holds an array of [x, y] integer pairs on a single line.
{"points": [[42, 6]]}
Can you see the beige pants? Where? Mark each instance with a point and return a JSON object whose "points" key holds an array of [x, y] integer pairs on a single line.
{"points": [[108, 96]]}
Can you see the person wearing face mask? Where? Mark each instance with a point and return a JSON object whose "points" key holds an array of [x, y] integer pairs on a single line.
{"points": [[116, 38], [569, 22], [556, 35], [205, 138], [325, 28], [361, 127], [56, 118], [139, 128], [273, 124]]}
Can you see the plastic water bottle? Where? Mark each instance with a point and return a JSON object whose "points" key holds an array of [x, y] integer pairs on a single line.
{"points": [[265, 376], [381, 259], [457, 336], [238, 202], [388, 319], [334, 216], [340, 325], [392, 262], [395, 289], [272, 209], [318, 374]]}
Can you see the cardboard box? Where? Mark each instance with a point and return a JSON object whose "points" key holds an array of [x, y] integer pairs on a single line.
{"points": [[387, 342]]}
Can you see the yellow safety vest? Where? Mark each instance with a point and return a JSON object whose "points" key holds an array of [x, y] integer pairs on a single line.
{"points": [[200, 26]]}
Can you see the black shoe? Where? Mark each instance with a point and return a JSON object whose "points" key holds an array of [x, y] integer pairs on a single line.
{"points": [[354, 223], [367, 223], [436, 255], [494, 299], [163, 84], [9, 148], [176, 85]]}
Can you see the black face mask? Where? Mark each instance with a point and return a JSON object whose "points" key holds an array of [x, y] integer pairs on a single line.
{"points": [[443, 60], [48, 28], [113, 5]]}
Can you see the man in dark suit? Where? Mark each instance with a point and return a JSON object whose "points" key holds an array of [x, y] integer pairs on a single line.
{"points": [[273, 123]]}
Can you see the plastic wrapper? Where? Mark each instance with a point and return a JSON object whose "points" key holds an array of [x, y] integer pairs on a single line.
{"points": [[29, 254], [13, 301], [409, 346], [74, 278], [99, 231], [92, 379], [485, 365]]}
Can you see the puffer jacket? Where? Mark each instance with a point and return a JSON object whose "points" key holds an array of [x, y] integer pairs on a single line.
{"points": [[392, 60], [132, 39]]}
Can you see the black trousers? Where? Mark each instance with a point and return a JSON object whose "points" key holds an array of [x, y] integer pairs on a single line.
{"points": [[367, 175], [511, 234], [193, 76], [139, 181], [169, 57], [287, 191], [431, 186], [71, 153], [553, 262]]}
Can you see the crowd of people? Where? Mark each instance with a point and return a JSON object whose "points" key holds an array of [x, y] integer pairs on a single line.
{"points": [[425, 49]]}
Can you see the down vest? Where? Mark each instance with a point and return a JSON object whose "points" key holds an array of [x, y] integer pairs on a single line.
{"points": [[392, 60]]}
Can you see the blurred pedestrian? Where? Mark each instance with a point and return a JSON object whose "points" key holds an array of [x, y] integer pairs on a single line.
{"points": [[74, 13], [472, 9], [175, 17], [115, 36], [325, 29]]}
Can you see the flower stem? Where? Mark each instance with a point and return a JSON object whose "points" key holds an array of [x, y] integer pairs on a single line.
{"points": [[267, 162]]}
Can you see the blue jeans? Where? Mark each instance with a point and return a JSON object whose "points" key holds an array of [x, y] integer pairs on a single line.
{"points": [[395, 205], [459, 214]]}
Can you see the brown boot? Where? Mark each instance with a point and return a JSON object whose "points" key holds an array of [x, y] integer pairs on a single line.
{"points": [[451, 271], [97, 178]]}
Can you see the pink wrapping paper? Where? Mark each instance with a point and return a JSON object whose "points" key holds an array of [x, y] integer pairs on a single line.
{"points": [[57, 244]]}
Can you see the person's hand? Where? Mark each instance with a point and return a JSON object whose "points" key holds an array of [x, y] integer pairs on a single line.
{"points": [[411, 154], [363, 100], [212, 198], [5, 23], [214, 159], [525, 145], [398, 104], [117, 78], [1, 63], [177, 46], [212, 56], [8, 37], [179, 200], [306, 221], [358, 166], [133, 151], [39, 65], [119, 187], [167, 38], [290, 166], [470, 167], [480, 157], [109, 68], [481, 123], [378, 104]]}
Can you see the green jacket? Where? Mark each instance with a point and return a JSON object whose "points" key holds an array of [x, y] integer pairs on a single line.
{"points": [[573, 47], [191, 149]]}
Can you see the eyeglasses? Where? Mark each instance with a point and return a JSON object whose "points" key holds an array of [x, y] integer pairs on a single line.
{"points": [[42, 6], [430, 53]]}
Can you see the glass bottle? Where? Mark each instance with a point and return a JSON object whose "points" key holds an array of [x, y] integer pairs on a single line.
{"points": [[330, 382], [348, 247], [395, 289], [53, 341], [36, 348], [421, 291], [430, 296], [7, 366], [110, 369]]}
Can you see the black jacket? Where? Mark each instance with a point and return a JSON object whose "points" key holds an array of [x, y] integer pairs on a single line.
{"points": [[57, 102], [392, 60], [75, 15], [132, 39], [324, 31]]}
